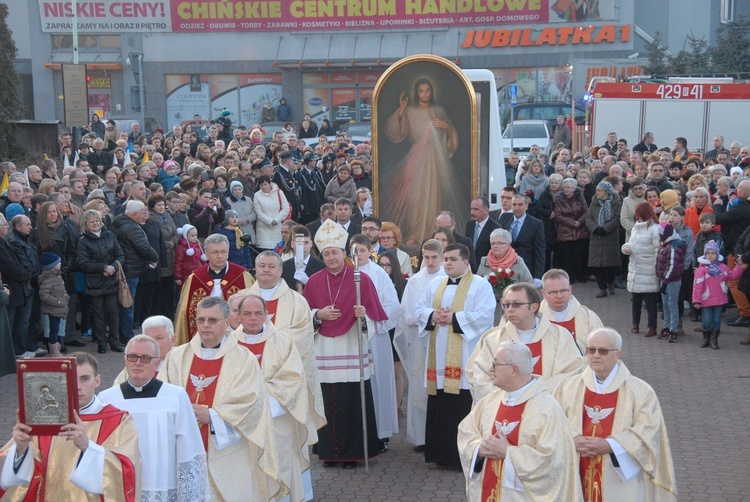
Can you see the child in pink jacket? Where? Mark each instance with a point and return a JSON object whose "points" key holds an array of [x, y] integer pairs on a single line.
{"points": [[188, 254], [710, 291]]}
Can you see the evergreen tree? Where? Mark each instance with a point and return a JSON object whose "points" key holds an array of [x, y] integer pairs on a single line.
{"points": [[10, 103], [732, 51], [658, 63]]}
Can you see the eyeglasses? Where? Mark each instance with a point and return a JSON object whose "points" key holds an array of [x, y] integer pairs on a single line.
{"points": [[515, 305], [593, 350], [370, 229], [501, 364], [212, 321], [558, 292], [384, 238], [498, 243], [144, 359]]}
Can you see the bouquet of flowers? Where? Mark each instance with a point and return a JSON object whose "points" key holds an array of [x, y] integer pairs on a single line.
{"points": [[500, 279]]}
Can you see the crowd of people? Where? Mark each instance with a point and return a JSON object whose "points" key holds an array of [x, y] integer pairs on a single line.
{"points": [[240, 247]]}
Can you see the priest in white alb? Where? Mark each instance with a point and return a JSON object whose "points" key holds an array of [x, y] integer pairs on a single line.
{"points": [[618, 427], [172, 453], [289, 312], [161, 330], [453, 313], [411, 347], [516, 443], [230, 403], [284, 375], [383, 379], [564, 309], [554, 352]]}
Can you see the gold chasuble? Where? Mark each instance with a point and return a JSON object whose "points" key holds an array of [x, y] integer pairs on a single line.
{"points": [[541, 459], [453, 357], [628, 412], [243, 467], [200, 285]]}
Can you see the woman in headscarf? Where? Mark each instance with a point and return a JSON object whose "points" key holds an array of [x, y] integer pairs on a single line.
{"points": [[243, 204], [546, 212], [572, 235], [603, 222]]}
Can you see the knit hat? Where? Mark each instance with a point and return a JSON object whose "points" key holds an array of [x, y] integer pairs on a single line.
{"points": [[13, 210], [96, 194], [235, 183], [184, 229], [207, 175], [188, 184], [607, 187], [168, 164], [734, 170], [49, 260], [230, 212], [711, 245], [669, 199]]}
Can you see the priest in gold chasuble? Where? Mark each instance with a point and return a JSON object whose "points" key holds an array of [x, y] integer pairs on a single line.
{"points": [[619, 430], [516, 443]]}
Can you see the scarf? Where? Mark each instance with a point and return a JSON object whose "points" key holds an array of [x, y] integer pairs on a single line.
{"points": [[238, 237], [714, 267], [606, 213], [453, 357], [506, 261], [54, 226]]}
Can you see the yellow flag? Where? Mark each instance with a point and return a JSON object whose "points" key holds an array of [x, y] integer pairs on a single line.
{"points": [[4, 184], [45, 157], [145, 158]]}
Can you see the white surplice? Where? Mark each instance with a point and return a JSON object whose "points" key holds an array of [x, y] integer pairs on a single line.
{"points": [[174, 460], [412, 349], [383, 379]]}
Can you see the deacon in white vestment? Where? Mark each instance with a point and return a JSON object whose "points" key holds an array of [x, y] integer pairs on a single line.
{"points": [[453, 313], [562, 308], [412, 348], [161, 330], [618, 427], [516, 444], [172, 453], [284, 375], [230, 403], [383, 378], [290, 313], [555, 353]]}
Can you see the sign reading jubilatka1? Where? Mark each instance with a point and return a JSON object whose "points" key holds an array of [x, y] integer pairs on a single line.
{"points": [[285, 15]]}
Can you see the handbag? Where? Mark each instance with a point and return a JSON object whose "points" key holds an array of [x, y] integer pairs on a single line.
{"points": [[124, 298]]}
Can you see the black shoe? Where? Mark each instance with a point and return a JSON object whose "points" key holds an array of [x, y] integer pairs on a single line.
{"points": [[740, 321], [694, 316], [102, 348], [419, 449], [328, 465], [349, 465], [116, 347], [75, 343]]}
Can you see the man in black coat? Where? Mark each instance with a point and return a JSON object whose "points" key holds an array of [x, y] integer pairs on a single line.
{"points": [[24, 339], [528, 238], [480, 227], [734, 221], [18, 280], [138, 255], [448, 220], [286, 181], [312, 190]]}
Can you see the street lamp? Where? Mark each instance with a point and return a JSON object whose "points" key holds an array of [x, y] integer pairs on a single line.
{"points": [[135, 62]]}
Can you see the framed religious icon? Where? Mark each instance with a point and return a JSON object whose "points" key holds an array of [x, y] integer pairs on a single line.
{"points": [[47, 393], [425, 153]]}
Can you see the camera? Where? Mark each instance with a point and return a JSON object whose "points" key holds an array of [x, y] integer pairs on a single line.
{"points": [[246, 239]]}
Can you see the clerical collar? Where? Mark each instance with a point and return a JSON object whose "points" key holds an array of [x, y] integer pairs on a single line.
{"points": [[601, 385], [457, 280], [130, 391], [511, 398], [266, 294], [527, 335], [86, 409], [220, 273], [560, 316]]}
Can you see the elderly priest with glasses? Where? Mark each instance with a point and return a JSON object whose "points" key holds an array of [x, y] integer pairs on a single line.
{"points": [[618, 427], [173, 457]]}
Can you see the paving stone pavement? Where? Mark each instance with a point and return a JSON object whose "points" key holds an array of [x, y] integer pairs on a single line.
{"points": [[705, 396]]}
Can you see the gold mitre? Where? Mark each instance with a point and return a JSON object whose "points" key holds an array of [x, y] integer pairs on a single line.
{"points": [[330, 235]]}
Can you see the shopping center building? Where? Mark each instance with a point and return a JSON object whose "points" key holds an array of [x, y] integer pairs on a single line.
{"points": [[325, 56]]}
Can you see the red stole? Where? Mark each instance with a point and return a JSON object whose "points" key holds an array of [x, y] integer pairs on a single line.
{"points": [[598, 418], [570, 325], [255, 348], [111, 418], [536, 356], [508, 418], [271, 306], [201, 286], [201, 387]]}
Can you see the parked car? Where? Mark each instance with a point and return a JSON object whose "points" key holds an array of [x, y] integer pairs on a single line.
{"points": [[357, 128], [526, 133], [356, 140], [544, 111]]}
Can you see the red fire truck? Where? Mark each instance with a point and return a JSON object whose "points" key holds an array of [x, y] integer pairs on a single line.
{"points": [[695, 109]]}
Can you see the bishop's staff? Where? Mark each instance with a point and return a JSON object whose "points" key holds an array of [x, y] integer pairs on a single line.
{"points": [[357, 278], [299, 257]]}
